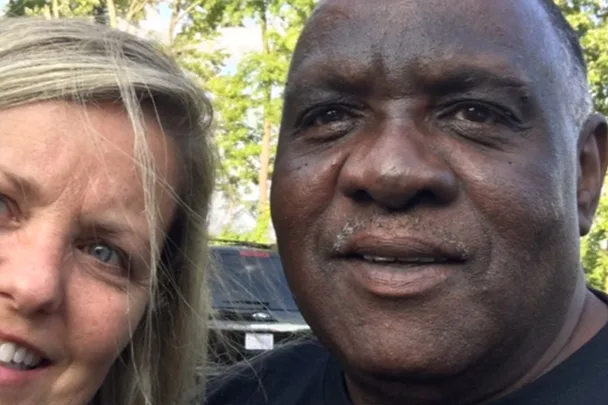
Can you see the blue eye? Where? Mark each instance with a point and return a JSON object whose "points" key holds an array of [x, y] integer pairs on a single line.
{"points": [[105, 253], [7, 210], [4, 207]]}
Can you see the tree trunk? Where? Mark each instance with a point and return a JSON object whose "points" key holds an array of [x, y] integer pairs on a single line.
{"points": [[175, 14], [55, 8], [112, 13], [46, 11], [265, 153]]}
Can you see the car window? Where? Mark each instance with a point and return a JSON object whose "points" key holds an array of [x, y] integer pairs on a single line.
{"points": [[249, 279]]}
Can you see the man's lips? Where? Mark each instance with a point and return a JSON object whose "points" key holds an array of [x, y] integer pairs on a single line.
{"points": [[400, 249], [398, 266]]}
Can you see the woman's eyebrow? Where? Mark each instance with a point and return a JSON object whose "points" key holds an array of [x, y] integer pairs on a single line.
{"points": [[118, 229], [27, 185]]}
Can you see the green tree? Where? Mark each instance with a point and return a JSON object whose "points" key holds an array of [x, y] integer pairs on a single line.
{"points": [[590, 19], [103, 11], [593, 249], [248, 99]]}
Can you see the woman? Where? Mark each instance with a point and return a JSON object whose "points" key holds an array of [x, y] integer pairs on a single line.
{"points": [[105, 183]]}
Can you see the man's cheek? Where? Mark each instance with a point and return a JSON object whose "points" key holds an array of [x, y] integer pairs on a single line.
{"points": [[302, 187], [523, 211]]}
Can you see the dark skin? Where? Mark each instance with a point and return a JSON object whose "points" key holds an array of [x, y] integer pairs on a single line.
{"points": [[448, 123]]}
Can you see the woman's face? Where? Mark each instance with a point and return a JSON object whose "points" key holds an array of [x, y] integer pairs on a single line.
{"points": [[74, 245]]}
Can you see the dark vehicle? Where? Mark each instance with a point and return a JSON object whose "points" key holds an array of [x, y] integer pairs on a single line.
{"points": [[253, 308]]}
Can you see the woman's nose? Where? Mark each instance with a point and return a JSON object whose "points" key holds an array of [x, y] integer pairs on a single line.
{"points": [[31, 273]]}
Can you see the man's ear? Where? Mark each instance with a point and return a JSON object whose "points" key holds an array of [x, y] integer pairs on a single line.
{"points": [[592, 161]]}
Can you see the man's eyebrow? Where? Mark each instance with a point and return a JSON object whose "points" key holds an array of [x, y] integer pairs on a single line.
{"points": [[457, 79], [463, 79], [329, 81]]}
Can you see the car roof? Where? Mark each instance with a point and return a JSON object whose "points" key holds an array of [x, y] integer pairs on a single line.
{"points": [[240, 245]]}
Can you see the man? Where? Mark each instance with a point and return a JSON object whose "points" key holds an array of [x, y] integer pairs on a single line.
{"points": [[438, 161]]}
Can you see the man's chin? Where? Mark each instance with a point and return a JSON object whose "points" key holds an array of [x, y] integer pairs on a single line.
{"points": [[401, 367], [408, 349]]}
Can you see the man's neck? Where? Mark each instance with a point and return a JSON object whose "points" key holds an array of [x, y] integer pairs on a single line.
{"points": [[586, 316]]}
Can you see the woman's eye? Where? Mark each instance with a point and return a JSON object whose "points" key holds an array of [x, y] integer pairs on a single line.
{"points": [[105, 254], [7, 210]]}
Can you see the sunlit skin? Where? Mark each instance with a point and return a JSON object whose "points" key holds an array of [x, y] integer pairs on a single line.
{"points": [[74, 242], [410, 124]]}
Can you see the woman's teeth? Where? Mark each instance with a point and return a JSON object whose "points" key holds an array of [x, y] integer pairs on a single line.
{"points": [[18, 357]]}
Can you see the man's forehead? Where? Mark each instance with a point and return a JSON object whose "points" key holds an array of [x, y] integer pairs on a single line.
{"points": [[405, 12], [322, 3], [396, 5], [399, 33]]}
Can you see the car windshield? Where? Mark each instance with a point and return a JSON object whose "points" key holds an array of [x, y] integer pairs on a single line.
{"points": [[249, 279]]}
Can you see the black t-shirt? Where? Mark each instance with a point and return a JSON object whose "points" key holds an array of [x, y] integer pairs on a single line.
{"points": [[306, 374]]}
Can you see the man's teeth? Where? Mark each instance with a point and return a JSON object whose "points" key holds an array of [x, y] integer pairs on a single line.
{"points": [[13, 354], [414, 260]]}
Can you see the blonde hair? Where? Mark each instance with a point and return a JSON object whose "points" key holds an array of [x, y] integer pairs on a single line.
{"points": [[77, 60]]}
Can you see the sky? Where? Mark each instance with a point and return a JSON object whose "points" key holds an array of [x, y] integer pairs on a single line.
{"points": [[235, 41]]}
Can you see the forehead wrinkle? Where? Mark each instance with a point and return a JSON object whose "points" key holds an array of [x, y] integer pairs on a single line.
{"points": [[415, 21], [111, 203], [112, 224], [313, 36], [357, 43], [119, 197]]}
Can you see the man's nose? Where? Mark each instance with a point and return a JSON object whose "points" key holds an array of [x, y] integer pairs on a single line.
{"points": [[396, 168], [31, 274]]}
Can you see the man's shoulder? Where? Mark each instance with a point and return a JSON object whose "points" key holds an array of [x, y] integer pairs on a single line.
{"points": [[286, 373]]}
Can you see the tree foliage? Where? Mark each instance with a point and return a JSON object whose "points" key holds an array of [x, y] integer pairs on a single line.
{"points": [[249, 97], [103, 11], [590, 19], [593, 249]]}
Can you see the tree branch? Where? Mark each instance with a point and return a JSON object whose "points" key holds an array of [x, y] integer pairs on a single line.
{"points": [[55, 8], [174, 19], [112, 13], [188, 10], [134, 8]]}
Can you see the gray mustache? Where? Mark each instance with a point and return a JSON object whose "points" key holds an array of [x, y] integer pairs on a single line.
{"points": [[412, 226]]}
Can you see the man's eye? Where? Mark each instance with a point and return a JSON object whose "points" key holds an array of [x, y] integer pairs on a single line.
{"points": [[105, 254], [329, 116], [325, 116], [477, 114], [480, 114]]}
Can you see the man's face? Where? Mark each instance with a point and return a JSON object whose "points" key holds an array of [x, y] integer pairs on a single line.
{"points": [[425, 188]]}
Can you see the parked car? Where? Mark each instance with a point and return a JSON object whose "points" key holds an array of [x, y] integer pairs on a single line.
{"points": [[253, 308]]}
